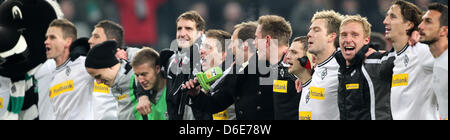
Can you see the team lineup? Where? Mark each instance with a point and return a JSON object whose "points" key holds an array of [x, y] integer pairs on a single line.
{"points": [[260, 71]]}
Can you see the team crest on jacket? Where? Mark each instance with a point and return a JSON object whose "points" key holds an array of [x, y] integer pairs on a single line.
{"points": [[13, 89], [324, 73], [406, 61], [118, 89], [308, 97], [68, 71]]}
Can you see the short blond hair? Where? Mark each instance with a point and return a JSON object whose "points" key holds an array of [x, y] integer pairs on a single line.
{"points": [[357, 18], [145, 55], [277, 27], [332, 18]]}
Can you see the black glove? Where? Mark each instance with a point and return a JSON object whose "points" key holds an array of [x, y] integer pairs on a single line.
{"points": [[79, 48], [164, 57], [360, 56]]}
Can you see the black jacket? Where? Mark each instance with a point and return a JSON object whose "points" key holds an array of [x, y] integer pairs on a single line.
{"points": [[380, 68], [353, 91], [252, 100], [364, 86], [285, 98]]}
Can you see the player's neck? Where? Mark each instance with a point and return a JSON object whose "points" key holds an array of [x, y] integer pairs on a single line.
{"points": [[281, 51], [324, 55], [62, 59], [400, 43], [304, 75], [160, 84], [439, 47], [115, 69], [247, 55]]}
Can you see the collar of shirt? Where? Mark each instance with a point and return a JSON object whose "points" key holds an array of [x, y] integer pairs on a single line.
{"points": [[328, 60], [63, 65]]}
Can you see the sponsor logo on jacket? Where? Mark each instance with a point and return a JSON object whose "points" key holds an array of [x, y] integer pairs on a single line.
{"points": [[61, 88], [317, 93], [305, 115], [400, 80], [352, 86], [280, 86], [1, 103], [101, 88], [221, 115]]}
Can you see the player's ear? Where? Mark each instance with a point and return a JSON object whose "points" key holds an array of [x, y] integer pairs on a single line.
{"points": [[268, 40], [158, 69], [443, 31], [333, 37]]}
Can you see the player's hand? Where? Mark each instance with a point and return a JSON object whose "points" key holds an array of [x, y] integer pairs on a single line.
{"points": [[298, 86], [193, 91], [144, 105], [370, 52], [415, 37], [121, 54]]}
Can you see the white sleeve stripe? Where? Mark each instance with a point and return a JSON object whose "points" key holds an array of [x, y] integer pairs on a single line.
{"points": [[378, 61], [171, 62], [373, 61], [227, 72], [372, 93]]}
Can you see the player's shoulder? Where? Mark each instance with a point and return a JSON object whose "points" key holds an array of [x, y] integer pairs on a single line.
{"points": [[420, 48], [46, 69], [423, 51]]}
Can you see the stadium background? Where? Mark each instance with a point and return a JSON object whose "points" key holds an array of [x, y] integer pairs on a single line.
{"points": [[152, 22]]}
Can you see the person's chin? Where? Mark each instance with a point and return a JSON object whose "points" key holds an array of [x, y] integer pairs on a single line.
{"points": [[290, 70], [349, 57], [183, 44]]}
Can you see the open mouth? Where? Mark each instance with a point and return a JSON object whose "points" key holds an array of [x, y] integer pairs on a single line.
{"points": [[348, 51], [47, 49], [287, 64], [349, 48], [388, 30], [290, 64], [422, 34]]}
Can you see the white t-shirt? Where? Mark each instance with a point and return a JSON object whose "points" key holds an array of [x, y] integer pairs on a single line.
{"points": [[440, 83], [5, 90], [44, 76], [412, 97], [304, 109], [71, 91], [324, 91]]}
